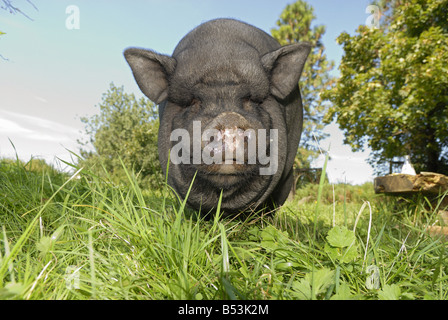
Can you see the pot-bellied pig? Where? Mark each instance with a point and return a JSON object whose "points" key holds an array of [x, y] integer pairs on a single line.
{"points": [[230, 114]]}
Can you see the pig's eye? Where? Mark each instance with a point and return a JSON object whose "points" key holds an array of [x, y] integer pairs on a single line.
{"points": [[194, 102], [247, 100], [251, 100]]}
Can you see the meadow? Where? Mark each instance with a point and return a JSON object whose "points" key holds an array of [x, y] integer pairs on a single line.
{"points": [[79, 236]]}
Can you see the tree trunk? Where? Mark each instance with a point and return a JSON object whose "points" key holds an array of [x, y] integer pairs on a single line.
{"points": [[432, 149]]}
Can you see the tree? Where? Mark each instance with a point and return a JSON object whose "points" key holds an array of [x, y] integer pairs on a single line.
{"points": [[7, 5], [125, 130], [392, 94], [294, 25]]}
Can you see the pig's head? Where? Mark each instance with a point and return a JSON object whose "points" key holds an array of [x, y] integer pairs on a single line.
{"points": [[230, 113]]}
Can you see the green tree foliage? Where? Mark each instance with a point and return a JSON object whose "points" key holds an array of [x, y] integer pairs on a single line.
{"points": [[124, 130], [393, 91], [294, 25]]}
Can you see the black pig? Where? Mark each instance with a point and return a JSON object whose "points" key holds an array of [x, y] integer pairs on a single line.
{"points": [[220, 95]]}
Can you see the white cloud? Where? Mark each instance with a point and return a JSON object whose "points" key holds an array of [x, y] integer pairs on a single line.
{"points": [[8, 126], [35, 137], [35, 127], [40, 99]]}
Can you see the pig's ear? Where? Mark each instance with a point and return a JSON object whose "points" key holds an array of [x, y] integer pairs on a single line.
{"points": [[285, 66], [151, 71]]}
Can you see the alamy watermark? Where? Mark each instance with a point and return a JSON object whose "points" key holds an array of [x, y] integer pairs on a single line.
{"points": [[73, 21], [72, 277], [228, 146], [373, 280], [373, 21]]}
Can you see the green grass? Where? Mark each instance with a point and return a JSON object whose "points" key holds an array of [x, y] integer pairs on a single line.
{"points": [[80, 237]]}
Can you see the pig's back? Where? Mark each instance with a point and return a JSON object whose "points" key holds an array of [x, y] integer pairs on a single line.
{"points": [[226, 37]]}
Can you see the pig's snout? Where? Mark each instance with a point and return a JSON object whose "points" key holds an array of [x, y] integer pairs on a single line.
{"points": [[230, 138], [228, 144]]}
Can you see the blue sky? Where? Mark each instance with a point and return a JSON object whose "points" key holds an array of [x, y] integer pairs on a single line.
{"points": [[55, 75]]}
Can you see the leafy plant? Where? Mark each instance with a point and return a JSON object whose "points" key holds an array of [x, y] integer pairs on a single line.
{"points": [[313, 284], [341, 245]]}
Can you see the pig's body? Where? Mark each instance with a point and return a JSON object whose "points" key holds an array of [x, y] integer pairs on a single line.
{"points": [[227, 75]]}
